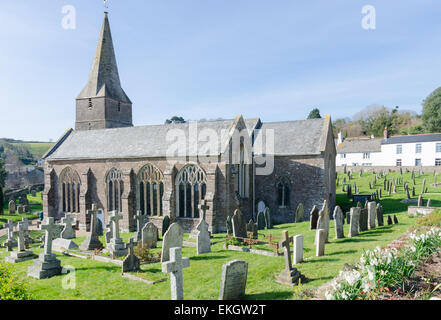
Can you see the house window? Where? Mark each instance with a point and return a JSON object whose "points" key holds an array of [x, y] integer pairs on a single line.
{"points": [[283, 193], [366, 155], [417, 162], [399, 149], [70, 190], [418, 148], [438, 147], [150, 190], [191, 186], [343, 155], [115, 188], [438, 162], [398, 162]]}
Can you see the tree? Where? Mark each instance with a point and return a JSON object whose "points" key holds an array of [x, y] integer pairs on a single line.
{"points": [[314, 114], [432, 112], [175, 119], [3, 175]]}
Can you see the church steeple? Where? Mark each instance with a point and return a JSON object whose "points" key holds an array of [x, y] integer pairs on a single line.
{"points": [[103, 103]]}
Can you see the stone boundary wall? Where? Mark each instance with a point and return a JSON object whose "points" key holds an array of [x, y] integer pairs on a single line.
{"points": [[425, 169]]}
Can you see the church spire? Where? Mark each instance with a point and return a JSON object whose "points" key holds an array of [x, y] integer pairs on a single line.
{"points": [[104, 77]]}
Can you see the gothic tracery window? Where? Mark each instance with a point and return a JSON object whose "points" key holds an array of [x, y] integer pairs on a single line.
{"points": [[191, 187], [243, 173], [150, 190], [70, 190], [283, 192], [115, 188]]}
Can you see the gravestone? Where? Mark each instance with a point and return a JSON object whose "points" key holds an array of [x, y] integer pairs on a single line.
{"points": [[10, 241], [21, 254], [47, 264], [165, 225], [389, 220], [173, 238], [139, 218], [289, 276], [61, 245], [323, 220], [320, 242], [348, 217], [300, 213], [261, 221], [380, 220], [131, 263], [268, 219], [203, 244], [149, 235], [372, 214], [175, 266], [116, 247], [239, 225], [233, 280], [229, 225], [314, 215], [363, 224], [355, 221], [252, 230], [338, 223], [99, 227], [92, 241], [428, 203], [33, 193], [68, 231], [420, 201], [26, 208], [395, 219], [12, 207], [298, 249], [109, 232], [20, 209]]}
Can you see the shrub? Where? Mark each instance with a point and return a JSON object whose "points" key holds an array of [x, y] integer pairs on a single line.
{"points": [[11, 287], [146, 255], [431, 220]]}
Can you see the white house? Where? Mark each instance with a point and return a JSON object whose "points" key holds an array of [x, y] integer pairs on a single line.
{"points": [[411, 150]]}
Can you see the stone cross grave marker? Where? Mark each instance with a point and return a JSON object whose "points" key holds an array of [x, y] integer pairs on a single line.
{"points": [[116, 246], [289, 276], [175, 266], [10, 241], [68, 231], [139, 218], [233, 280], [21, 254], [131, 263], [173, 238], [92, 241], [203, 207]]}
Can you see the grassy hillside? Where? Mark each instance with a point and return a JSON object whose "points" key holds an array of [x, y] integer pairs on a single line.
{"points": [[37, 149]]}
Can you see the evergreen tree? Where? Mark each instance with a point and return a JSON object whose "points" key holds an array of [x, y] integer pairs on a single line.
{"points": [[314, 114]]}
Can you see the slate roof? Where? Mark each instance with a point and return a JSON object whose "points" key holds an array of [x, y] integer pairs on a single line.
{"points": [[430, 137], [291, 138], [358, 145]]}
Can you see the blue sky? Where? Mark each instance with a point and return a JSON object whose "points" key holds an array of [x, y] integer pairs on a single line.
{"points": [[208, 59]]}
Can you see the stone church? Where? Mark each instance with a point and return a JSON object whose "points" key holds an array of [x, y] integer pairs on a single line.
{"points": [[169, 169]]}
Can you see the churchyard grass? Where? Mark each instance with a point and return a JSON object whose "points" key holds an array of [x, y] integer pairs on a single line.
{"points": [[36, 205], [101, 280]]}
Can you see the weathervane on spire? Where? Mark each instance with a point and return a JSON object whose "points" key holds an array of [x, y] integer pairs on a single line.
{"points": [[105, 4]]}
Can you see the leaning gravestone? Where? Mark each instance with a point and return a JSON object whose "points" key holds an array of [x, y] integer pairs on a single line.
{"points": [[229, 225], [239, 225], [372, 214], [314, 215], [338, 223], [12, 207], [47, 264], [268, 219], [68, 231], [21, 254], [300, 213], [203, 238], [131, 263], [355, 221], [165, 225], [323, 220], [92, 241], [233, 280], [173, 238], [261, 221], [363, 226], [149, 235]]}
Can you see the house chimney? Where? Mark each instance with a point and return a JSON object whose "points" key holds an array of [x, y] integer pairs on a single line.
{"points": [[386, 133], [340, 138]]}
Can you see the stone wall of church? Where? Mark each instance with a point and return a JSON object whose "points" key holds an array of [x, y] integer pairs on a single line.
{"points": [[307, 185]]}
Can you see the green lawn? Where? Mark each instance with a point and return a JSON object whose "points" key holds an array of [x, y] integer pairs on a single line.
{"points": [[99, 280], [37, 149]]}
